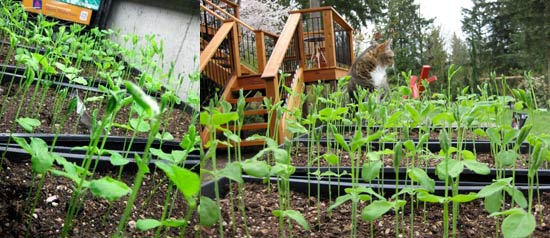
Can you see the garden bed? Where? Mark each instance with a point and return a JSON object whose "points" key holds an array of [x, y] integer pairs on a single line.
{"points": [[96, 218], [474, 221]]}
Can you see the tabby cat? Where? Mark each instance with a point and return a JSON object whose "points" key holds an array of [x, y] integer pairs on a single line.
{"points": [[369, 69]]}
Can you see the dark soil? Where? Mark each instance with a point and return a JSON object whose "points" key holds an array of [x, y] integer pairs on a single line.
{"points": [[299, 157], [473, 221], [414, 133], [15, 181], [176, 122]]}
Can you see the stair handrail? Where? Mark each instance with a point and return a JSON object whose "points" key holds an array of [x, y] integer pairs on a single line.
{"points": [[210, 50], [271, 71]]}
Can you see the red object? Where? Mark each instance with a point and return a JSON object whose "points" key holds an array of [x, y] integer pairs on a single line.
{"points": [[416, 85]]}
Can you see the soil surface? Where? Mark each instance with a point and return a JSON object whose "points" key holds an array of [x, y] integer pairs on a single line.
{"points": [[43, 108], [299, 157], [96, 218], [414, 133], [473, 220]]}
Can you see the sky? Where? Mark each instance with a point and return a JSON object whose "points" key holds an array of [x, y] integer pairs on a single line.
{"points": [[447, 14]]}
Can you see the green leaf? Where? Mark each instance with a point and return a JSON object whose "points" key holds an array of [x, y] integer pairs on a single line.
{"points": [[174, 223], [80, 80], [477, 167], [28, 123], [420, 176], [493, 202], [294, 215], [494, 135], [375, 210], [143, 100], [495, 187], [444, 141], [454, 167], [371, 170], [426, 197], [340, 140], [331, 158], [147, 224], [517, 195], [208, 212], [187, 182], [117, 159], [160, 154], [139, 125], [109, 188], [23, 143], [518, 225], [232, 171], [468, 155], [256, 168], [506, 157], [462, 198], [339, 201], [165, 135]]}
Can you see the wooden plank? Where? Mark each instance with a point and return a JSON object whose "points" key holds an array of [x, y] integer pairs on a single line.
{"points": [[235, 49], [234, 18], [260, 50], [253, 99], [272, 67], [325, 74], [330, 46], [216, 41], [227, 91], [293, 103], [245, 143], [255, 112], [248, 127]]}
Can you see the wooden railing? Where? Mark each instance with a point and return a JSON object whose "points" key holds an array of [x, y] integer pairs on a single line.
{"points": [[308, 42], [290, 33]]}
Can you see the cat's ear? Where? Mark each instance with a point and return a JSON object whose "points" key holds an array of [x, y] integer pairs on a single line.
{"points": [[388, 43]]}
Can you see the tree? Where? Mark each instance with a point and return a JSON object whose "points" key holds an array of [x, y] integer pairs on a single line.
{"points": [[266, 15], [436, 56], [407, 29], [460, 57], [357, 13]]}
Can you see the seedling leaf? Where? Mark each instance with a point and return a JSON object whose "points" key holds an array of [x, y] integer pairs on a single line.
{"points": [[109, 188]]}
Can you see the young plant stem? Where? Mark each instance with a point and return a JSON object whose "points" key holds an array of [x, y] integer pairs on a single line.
{"points": [[142, 170]]}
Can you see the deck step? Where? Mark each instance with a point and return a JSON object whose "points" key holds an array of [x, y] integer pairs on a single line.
{"points": [[255, 112], [245, 143], [253, 99], [248, 127]]}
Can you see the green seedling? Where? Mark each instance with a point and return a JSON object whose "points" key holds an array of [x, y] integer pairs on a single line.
{"points": [[28, 123]]}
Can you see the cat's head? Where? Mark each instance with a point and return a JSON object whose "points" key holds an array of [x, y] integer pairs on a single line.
{"points": [[385, 54]]}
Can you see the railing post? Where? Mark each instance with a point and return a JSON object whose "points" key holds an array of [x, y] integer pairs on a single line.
{"points": [[330, 47], [301, 45], [260, 50], [235, 50]]}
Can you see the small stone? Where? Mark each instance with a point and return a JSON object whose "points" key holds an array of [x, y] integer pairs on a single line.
{"points": [[132, 224], [51, 199], [54, 204], [35, 215]]}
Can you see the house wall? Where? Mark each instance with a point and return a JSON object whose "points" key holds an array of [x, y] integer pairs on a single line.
{"points": [[176, 22]]}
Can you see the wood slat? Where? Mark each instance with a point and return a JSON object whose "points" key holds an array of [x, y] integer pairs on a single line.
{"points": [[248, 127], [255, 112], [272, 67]]}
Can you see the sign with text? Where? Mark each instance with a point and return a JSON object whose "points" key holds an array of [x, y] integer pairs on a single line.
{"points": [[59, 10]]}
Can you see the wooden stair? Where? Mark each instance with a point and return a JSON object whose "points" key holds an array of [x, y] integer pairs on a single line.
{"points": [[259, 78]]}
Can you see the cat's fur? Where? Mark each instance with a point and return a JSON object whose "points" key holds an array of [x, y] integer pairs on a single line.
{"points": [[369, 68]]}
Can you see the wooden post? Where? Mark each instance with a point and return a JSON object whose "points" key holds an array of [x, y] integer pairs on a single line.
{"points": [[260, 50], [235, 50], [330, 47]]}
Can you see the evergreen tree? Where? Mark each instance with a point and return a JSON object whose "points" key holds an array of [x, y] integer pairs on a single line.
{"points": [[436, 56], [460, 57]]}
